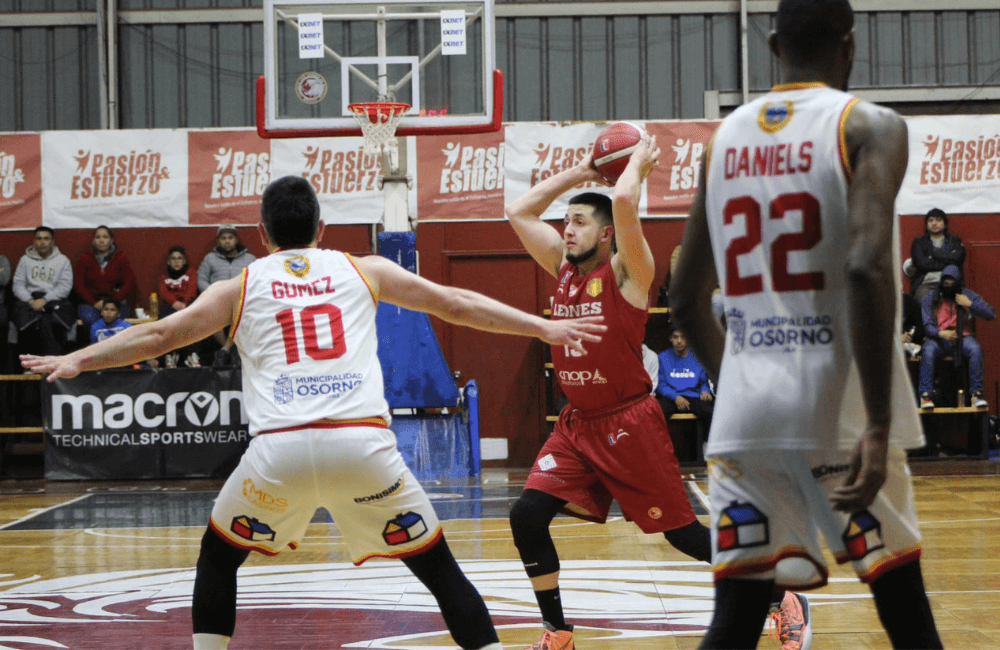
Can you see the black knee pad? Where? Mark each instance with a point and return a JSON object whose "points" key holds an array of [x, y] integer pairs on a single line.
{"points": [[694, 540], [530, 517]]}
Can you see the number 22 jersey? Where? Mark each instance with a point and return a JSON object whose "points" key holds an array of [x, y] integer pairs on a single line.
{"points": [[776, 204], [306, 335]]}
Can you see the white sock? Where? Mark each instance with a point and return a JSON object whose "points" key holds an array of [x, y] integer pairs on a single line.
{"points": [[493, 646], [210, 642]]}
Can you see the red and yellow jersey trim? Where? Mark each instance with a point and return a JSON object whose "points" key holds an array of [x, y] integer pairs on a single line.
{"points": [[241, 544], [409, 552], [364, 277], [845, 161], [780, 88], [376, 422], [757, 565], [243, 299], [884, 564]]}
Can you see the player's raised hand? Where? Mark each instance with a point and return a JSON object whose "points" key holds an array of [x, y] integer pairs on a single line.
{"points": [[646, 156], [587, 167], [62, 367], [867, 474], [573, 332]]}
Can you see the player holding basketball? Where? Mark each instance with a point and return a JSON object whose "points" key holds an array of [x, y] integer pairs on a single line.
{"points": [[305, 318], [796, 209], [611, 440]]}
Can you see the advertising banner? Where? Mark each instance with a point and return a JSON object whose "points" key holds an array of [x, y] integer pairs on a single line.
{"points": [[20, 181], [671, 187], [954, 165], [135, 179], [133, 424], [537, 150], [344, 177], [461, 177], [228, 173]]}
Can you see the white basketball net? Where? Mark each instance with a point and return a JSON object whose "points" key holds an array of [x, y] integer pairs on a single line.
{"points": [[379, 134]]}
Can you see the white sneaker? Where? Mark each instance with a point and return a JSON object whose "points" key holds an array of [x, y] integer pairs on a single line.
{"points": [[193, 361], [978, 402], [170, 361]]}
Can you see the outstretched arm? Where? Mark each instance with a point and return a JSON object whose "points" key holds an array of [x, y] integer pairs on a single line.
{"points": [[634, 256], [691, 286], [397, 286], [212, 311], [542, 240], [876, 138]]}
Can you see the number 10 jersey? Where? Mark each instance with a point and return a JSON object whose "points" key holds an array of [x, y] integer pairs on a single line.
{"points": [[306, 335], [776, 203]]}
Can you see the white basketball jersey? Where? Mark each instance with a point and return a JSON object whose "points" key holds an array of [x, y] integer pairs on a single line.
{"points": [[306, 335], [776, 201]]}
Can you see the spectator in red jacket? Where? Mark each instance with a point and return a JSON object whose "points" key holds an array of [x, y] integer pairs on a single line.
{"points": [[177, 289], [102, 271], [179, 285]]}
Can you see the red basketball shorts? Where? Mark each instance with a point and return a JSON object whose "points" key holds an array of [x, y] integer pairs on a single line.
{"points": [[622, 452]]}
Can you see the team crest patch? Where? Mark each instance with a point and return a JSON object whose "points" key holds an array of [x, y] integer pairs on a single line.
{"points": [[546, 462], [403, 529], [251, 529], [297, 266], [742, 525], [775, 116], [863, 535], [594, 287], [283, 391]]}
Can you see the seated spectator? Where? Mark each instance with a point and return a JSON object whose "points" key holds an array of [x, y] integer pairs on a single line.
{"points": [[933, 251], [177, 289], [43, 313], [683, 385], [111, 321], [948, 312], [227, 260], [102, 271]]}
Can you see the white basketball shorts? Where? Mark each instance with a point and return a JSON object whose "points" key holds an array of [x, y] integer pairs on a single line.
{"points": [[768, 509], [356, 473]]}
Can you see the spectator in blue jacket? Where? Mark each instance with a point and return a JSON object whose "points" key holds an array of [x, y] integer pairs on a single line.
{"points": [[948, 312], [110, 322], [683, 386]]}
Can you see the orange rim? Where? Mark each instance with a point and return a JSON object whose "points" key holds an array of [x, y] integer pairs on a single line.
{"points": [[377, 110]]}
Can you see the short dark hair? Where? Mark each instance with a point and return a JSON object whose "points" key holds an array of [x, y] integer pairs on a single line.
{"points": [[601, 204], [289, 211], [111, 233], [936, 212], [807, 29], [108, 300], [45, 229], [177, 248]]}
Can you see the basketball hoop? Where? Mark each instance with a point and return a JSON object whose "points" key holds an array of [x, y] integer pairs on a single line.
{"points": [[378, 122]]}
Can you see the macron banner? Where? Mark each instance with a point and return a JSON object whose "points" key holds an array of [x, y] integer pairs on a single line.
{"points": [[138, 177], [954, 165], [132, 424], [460, 176], [20, 181]]}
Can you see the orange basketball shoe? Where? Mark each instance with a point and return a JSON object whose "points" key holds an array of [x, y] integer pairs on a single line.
{"points": [[791, 622], [554, 639]]}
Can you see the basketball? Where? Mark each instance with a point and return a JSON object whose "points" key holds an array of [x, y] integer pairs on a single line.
{"points": [[614, 147]]}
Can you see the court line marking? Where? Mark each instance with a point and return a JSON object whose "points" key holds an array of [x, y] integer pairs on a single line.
{"points": [[44, 510], [698, 493]]}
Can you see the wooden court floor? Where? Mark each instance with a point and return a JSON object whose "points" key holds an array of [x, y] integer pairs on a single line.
{"points": [[109, 566]]}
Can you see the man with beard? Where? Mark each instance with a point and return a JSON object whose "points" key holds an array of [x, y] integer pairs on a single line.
{"points": [[948, 312], [611, 441]]}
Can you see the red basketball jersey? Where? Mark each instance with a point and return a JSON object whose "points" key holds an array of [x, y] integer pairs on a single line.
{"points": [[612, 370]]}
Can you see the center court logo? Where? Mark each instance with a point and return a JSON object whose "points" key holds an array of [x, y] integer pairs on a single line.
{"points": [[623, 601]]}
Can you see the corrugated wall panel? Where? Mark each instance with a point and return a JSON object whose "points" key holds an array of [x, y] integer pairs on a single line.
{"points": [[556, 68]]}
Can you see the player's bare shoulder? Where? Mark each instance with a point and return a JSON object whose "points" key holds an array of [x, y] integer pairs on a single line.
{"points": [[871, 125]]}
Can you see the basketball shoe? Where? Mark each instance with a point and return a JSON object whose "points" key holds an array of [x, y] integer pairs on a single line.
{"points": [[554, 639], [791, 622]]}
